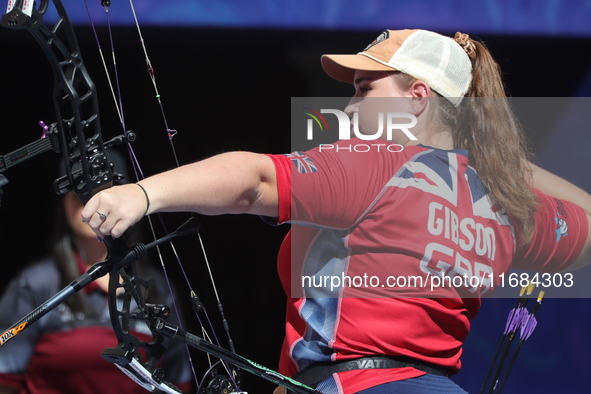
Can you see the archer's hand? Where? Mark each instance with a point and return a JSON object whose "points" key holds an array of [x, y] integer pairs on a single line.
{"points": [[113, 211]]}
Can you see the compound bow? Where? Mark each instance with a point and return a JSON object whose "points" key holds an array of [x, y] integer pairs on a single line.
{"points": [[77, 136]]}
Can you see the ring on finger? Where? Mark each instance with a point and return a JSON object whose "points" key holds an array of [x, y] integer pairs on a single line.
{"points": [[101, 215]]}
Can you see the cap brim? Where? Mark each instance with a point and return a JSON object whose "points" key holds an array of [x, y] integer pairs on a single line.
{"points": [[343, 67]]}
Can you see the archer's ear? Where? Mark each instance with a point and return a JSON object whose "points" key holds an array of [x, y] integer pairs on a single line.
{"points": [[420, 93]]}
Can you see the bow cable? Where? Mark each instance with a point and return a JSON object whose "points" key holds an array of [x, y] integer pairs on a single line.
{"points": [[107, 74], [117, 98]]}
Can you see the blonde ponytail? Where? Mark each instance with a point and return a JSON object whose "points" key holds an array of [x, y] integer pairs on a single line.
{"points": [[491, 133]]}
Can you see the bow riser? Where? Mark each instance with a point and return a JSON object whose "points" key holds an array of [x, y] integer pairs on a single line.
{"points": [[75, 100]]}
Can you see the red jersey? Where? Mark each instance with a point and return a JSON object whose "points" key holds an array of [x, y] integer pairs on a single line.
{"points": [[390, 252]]}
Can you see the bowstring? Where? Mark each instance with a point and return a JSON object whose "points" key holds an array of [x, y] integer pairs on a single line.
{"points": [[171, 133], [117, 99], [104, 63]]}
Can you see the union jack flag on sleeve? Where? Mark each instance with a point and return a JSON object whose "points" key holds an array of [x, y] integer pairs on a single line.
{"points": [[303, 163]]}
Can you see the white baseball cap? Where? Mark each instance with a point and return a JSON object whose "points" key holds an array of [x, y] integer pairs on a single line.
{"points": [[433, 58]]}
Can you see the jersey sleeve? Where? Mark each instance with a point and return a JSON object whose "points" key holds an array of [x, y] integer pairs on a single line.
{"points": [[331, 189], [283, 174], [560, 233]]}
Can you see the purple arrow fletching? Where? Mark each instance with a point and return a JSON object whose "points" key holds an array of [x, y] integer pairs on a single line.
{"points": [[509, 320], [517, 320], [526, 320], [528, 327]]}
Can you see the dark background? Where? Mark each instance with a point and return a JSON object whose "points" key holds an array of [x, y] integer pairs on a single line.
{"points": [[226, 89]]}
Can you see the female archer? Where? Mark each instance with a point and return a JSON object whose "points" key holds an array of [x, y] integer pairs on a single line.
{"points": [[461, 199]]}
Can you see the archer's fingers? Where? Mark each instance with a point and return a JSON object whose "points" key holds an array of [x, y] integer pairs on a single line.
{"points": [[112, 211], [109, 225], [113, 224], [280, 390], [90, 209], [100, 222], [119, 228], [97, 214]]}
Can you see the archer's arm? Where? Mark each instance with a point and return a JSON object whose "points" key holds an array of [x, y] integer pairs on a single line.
{"points": [[235, 182], [557, 187]]}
